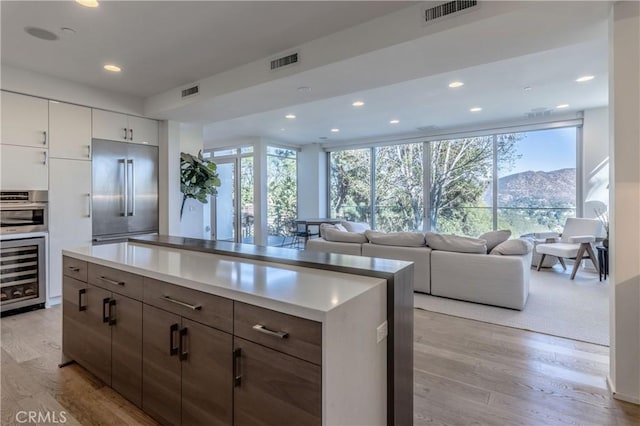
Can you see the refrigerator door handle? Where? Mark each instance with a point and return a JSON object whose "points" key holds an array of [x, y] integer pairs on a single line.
{"points": [[125, 194], [132, 179]]}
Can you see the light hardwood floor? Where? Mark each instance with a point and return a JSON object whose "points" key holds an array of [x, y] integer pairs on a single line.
{"points": [[466, 372]]}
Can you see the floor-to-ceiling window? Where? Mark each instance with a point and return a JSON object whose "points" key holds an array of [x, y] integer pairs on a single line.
{"points": [[282, 193], [524, 181], [232, 208]]}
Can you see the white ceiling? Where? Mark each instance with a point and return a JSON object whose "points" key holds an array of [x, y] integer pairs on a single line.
{"points": [[497, 87], [164, 44]]}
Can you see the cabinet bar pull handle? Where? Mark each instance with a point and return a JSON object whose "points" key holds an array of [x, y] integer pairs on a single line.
{"points": [[44, 140], [125, 133], [262, 329], [89, 201], [112, 317], [74, 269], [44, 157], [88, 151], [130, 134], [182, 344], [237, 374], [110, 281], [105, 303], [185, 304], [80, 293], [173, 350]]}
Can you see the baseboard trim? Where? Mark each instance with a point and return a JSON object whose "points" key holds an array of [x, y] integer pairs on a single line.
{"points": [[54, 301], [621, 396]]}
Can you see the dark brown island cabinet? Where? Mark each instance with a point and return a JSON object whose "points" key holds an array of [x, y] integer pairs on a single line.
{"points": [[188, 357]]}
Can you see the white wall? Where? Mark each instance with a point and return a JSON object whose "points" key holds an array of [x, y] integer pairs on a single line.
{"points": [[312, 181], [193, 223], [595, 161], [36, 84], [624, 248]]}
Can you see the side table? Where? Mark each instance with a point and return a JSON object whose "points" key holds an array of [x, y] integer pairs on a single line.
{"points": [[603, 261]]}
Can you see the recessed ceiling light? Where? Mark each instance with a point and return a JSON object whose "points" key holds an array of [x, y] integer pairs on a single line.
{"points": [[88, 3], [112, 68], [358, 104], [394, 121], [282, 129], [455, 84], [562, 106], [584, 78], [475, 109], [527, 89], [334, 130], [290, 116]]}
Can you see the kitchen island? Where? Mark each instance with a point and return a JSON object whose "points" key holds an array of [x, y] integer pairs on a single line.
{"points": [[193, 337]]}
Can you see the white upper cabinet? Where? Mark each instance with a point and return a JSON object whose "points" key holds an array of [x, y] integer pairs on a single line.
{"points": [[24, 168], [69, 131], [143, 130], [125, 128], [25, 120]]}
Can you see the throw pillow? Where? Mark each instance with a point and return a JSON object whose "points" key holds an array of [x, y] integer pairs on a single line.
{"points": [[404, 239], [356, 226], [494, 238], [337, 226], [455, 243], [513, 247], [344, 237]]}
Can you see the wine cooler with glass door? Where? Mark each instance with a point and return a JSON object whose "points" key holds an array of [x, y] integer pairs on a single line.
{"points": [[22, 274]]}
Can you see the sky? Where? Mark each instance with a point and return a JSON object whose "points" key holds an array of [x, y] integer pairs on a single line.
{"points": [[546, 150]]}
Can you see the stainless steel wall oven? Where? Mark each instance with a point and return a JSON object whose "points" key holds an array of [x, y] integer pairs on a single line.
{"points": [[22, 273], [23, 211]]}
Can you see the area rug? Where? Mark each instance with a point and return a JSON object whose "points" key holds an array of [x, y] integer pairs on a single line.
{"points": [[577, 309]]}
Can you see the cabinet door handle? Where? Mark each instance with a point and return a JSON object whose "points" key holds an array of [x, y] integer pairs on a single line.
{"points": [[44, 157], [131, 134], [105, 304], [237, 373], [185, 304], [110, 281], [173, 350], [44, 139], [125, 133], [112, 317], [88, 151], [80, 293], [184, 353], [74, 269], [89, 204], [262, 329]]}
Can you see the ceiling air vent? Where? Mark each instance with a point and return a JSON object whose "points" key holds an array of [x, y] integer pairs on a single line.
{"points": [[447, 9], [190, 91], [284, 61]]}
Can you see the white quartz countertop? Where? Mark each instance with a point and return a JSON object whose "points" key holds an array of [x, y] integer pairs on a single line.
{"points": [[304, 292]]}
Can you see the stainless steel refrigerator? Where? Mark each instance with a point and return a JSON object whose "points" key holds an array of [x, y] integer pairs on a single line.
{"points": [[125, 190]]}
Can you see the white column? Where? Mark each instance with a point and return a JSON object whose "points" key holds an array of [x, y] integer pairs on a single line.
{"points": [[312, 181], [260, 193], [193, 220], [624, 106], [169, 195]]}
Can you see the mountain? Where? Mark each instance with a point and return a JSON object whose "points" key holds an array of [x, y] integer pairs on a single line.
{"points": [[556, 188]]}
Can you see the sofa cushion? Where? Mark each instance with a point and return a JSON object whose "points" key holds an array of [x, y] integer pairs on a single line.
{"points": [[402, 239], [494, 238], [455, 243], [513, 247], [337, 226], [356, 226], [344, 237]]}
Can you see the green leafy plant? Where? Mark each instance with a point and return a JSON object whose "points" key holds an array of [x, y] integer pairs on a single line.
{"points": [[198, 178]]}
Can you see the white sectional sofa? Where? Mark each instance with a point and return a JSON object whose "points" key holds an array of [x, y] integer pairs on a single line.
{"points": [[447, 266]]}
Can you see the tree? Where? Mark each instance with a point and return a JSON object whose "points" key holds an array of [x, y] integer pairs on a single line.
{"points": [[282, 190], [350, 184]]}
